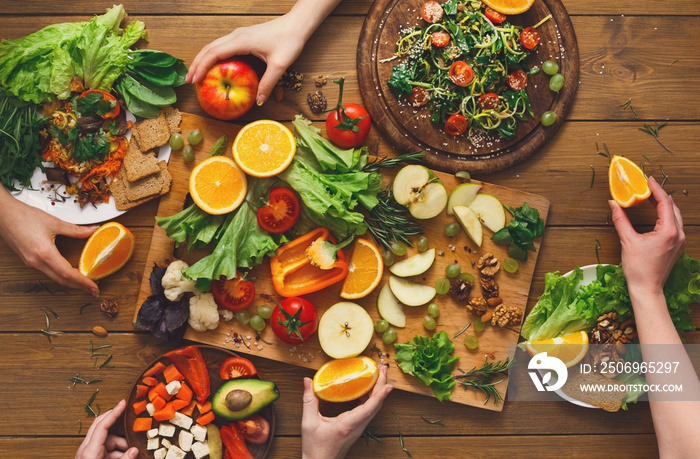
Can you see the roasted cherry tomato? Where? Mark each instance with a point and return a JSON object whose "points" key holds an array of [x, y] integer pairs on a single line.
{"points": [[419, 96], [294, 320], [517, 80], [461, 73], [281, 212], [494, 16], [529, 37], [108, 109], [489, 101], [431, 11], [237, 367], [456, 124], [233, 294], [440, 38], [255, 429]]}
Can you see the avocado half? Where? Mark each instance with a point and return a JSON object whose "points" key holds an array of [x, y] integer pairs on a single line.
{"points": [[263, 393]]}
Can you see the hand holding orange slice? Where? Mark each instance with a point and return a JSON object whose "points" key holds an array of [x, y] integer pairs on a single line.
{"points": [[217, 185], [570, 349], [628, 184], [107, 251], [365, 270], [345, 379]]}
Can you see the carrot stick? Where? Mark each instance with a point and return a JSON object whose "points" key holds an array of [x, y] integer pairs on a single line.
{"points": [[165, 414], [171, 374], [140, 407], [205, 418], [142, 424], [154, 370], [141, 390]]}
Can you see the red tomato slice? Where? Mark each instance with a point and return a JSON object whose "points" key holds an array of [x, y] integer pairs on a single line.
{"points": [[440, 39], [233, 294], [237, 367], [431, 11], [456, 124], [489, 101], [529, 37], [281, 211], [255, 429], [517, 80], [461, 73], [494, 16], [419, 96]]}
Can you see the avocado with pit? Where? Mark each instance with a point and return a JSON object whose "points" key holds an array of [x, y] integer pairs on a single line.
{"points": [[240, 398]]}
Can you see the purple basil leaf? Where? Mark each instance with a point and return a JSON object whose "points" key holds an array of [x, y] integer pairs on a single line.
{"points": [[156, 277], [150, 314]]}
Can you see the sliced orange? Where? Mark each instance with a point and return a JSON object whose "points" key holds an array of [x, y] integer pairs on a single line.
{"points": [[264, 148], [345, 379], [365, 270], [107, 250], [217, 185], [510, 6], [570, 349], [628, 184]]}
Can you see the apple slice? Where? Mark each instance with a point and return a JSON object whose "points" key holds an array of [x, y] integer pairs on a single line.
{"points": [[345, 330], [470, 222], [490, 211], [417, 188], [462, 195], [389, 307], [417, 264], [410, 293]]}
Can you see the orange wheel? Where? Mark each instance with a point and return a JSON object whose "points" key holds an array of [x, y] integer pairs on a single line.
{"points": [[217, 185], [264, 148]]}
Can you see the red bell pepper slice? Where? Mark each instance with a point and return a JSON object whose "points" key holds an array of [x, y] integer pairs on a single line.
{"points": [[234, 443], [190, 363]]}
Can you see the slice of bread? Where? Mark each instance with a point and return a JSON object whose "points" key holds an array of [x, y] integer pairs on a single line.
{"points": [[609, 400], [147, 186], [121, 201], [139, 165], [167, 178], [151, 133], [173, 117]]}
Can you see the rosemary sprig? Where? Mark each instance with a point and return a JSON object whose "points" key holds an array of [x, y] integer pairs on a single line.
{"points": [[462, 330], [436, 422], [78, 380], [626, 104], [388, 221], [47, 331], [593, 176], [607, 152], [481, 378], [673, 62], [80, 426], [88, 406], [40, 287], [403, 448], [103, 364], [395, 415], [369, 436], [647, 158], [43, 308], [387, 163], [83, 307], [597, 248], [663, 182], [93, 349], [654, 132]]}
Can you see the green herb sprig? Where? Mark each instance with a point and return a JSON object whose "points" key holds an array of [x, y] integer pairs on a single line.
{"points": [[654, 132], [388, 221], [481, 378], [387, 163], [88, 406]]}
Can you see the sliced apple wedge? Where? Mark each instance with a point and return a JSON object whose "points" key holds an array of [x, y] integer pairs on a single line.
{"points": [[345, 330], [410, 293], [417, 188], [390, 308], [462, 195], [489, 210], [470, 222], [417, 264]]}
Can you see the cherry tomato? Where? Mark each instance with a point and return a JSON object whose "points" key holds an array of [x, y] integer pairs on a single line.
{"points": [[233, 294], [461, 73], [255, 429], [529, 37], [419, 96], [440, 38], [517, 80], [294, 320], [237, 367], [281, 212], [456, 124], [431, 11], [489, 101], [349, 137], [494, 16], [114, 112]]}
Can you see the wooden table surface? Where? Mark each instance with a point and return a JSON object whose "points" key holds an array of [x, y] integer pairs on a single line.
{"points": [[638, 49]]}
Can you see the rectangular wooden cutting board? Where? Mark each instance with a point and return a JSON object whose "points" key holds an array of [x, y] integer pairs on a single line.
{"points": [[493, 341]]}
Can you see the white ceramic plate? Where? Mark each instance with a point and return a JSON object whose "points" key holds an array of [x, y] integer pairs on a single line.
{"points": [[70, 211]]}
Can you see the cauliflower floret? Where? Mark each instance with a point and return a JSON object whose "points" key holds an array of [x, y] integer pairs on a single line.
{"points": [[226, 314], [204, 314], [174, 283]]}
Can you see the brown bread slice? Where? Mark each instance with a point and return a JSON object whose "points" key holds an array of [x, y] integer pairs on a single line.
{"points": [[122, 202], [609, 401], [147, 186], [173, 117], [167, 178], [151, 133], [139, 165]]}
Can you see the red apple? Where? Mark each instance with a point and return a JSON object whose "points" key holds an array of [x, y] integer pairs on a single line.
{"points": [[228, 90]]}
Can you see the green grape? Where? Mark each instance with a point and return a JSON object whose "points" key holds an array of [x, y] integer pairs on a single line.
{"points": [[442, 286], [429, 323], [510, 265], [479, 326], [389, 336], [188, 153], [422, 244], [556, 82], [257, 323], [452, 229], [548, 118], [195, 138], [399, 248], [265, 311], [433, 310], [464, 175], [550, 67], [381, 326], [243, 317], [176, 141], [471, 341], [388, 258], [467, 277], [453, 270]]}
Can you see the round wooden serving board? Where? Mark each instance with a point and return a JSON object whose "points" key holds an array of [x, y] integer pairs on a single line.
{"points": [[410, 129]]}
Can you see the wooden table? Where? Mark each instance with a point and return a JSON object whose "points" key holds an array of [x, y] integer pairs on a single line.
{"points": [[629, 49]]}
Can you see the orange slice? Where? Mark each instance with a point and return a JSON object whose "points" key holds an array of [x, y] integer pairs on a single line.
{"points": [[365, 270], [628, 184], [107, 250], [264, 148], [510, 6], [346, 379], [217, 185], [570, 349]]}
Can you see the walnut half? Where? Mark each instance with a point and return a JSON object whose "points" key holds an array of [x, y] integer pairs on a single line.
{"points": [[489, 265], [506, 315], [477, 306]]}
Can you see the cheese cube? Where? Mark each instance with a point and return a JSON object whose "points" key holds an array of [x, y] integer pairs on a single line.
{"points": [[152, 433], [176, 453], [185, 440], [166, 443], [153, 444], [160, 453], [200, 450], [182, 420], [151, 409], [199, 432], [173, 387], [166, 430]]}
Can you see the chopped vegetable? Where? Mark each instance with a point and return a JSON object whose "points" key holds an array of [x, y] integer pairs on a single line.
{"points": [[140, 406], [172, 374], [167, 319], [155, 370], [205, 418], [142, 424], [190, 363]]}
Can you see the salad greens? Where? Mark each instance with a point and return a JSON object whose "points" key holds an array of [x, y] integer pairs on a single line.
{"points": [[429, 359], [525, 225]]}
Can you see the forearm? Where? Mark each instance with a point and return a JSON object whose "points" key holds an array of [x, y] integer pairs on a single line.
{"points": [[309, 14]]}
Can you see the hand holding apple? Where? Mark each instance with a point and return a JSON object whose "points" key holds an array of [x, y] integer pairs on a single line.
{"points": [[228, 89]]}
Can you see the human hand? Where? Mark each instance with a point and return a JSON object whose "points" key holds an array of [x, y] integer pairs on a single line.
{"points": [[100, 444], [331, 438], [647, 258]]}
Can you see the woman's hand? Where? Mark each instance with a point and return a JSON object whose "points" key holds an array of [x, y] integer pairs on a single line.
{"points": [[331, 438], [100, 444]]}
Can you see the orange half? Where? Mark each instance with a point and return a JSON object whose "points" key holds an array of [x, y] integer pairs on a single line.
{"points": [[510, 6], [107, 251], [364, 270], [217, 185], [628, 184], [570, 349], [345, 379], [264, 148]]}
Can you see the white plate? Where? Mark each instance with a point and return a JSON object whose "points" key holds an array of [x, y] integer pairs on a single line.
{"points": [[70, 211]]}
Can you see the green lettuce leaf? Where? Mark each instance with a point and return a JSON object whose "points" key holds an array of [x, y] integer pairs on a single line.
{"points": [[329, 156], [682, 288], [61, 73], [634, 381], [194, 225]]}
